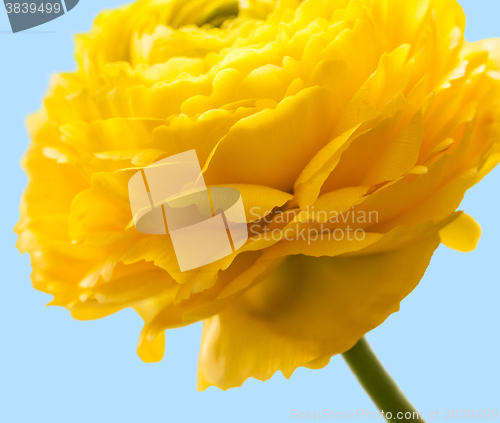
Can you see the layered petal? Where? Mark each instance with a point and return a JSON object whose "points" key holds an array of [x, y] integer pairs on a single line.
{"points": [[306, 311]]}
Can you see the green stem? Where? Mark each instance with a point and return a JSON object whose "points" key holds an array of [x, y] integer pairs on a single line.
{"points": [[379, 384]]}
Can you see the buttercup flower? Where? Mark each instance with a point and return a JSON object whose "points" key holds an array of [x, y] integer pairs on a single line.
{"points": [[351, 128]]}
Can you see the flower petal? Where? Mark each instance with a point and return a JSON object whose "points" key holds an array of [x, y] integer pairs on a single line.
{"points": [[462, 234], [306, 311], [290, 134]]}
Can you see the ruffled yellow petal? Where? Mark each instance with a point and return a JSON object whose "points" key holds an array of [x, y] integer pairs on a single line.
{"points": [[307, 310], [291, 133]]}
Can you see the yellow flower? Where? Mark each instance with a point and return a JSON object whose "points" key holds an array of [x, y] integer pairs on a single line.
{"points": [[330, 116]]}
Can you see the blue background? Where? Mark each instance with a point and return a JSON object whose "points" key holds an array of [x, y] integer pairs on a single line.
{"points": [[442, 347]]}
